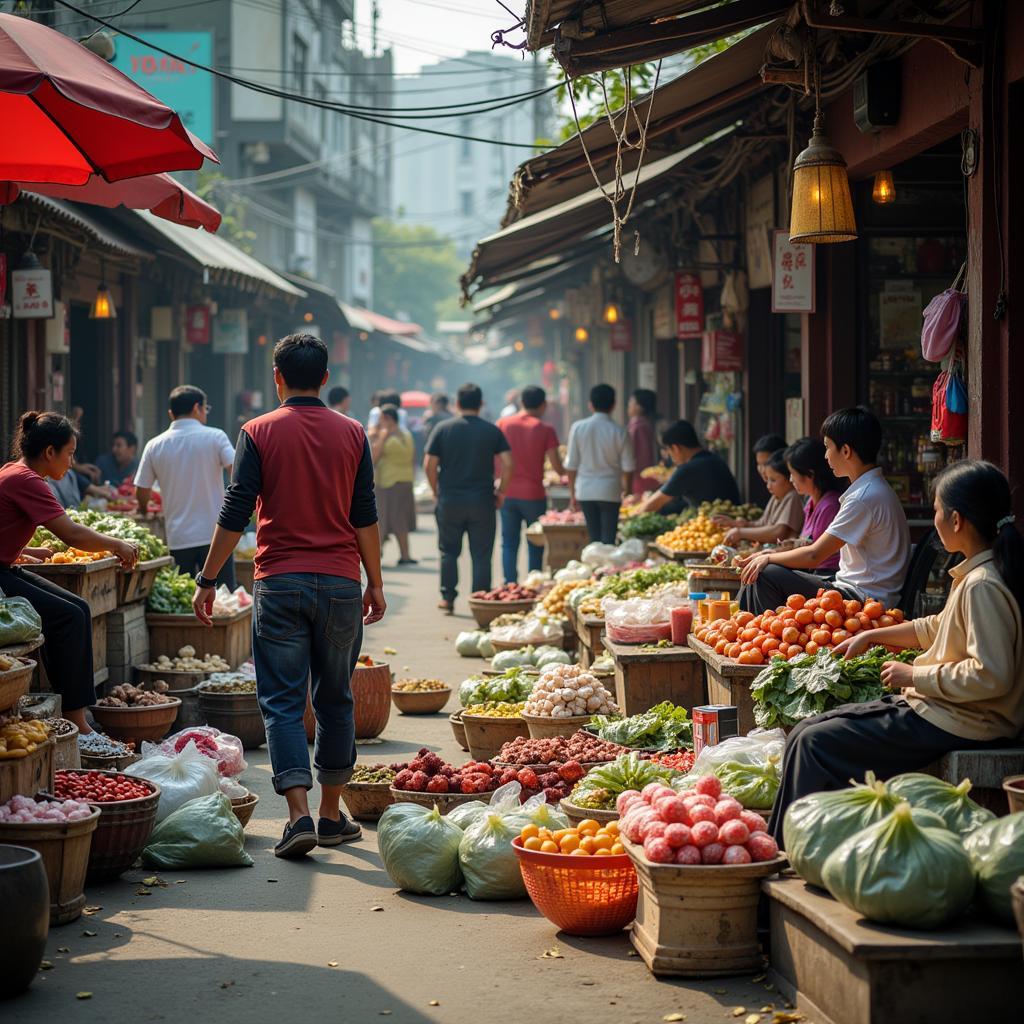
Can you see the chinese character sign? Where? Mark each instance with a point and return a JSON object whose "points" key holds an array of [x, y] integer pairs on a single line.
{"points": [[197, 325], [689, 305], [722, 352], [620, 336], [32, 294], [792, 275]]}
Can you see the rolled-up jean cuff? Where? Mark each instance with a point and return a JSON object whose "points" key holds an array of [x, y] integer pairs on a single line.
{"points": [[334, 776], [292, 778]]}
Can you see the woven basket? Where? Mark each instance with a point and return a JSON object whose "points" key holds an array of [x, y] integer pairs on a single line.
{"points": [[486, 735], [1013, 787], [485, 612], [244, 806], [26, 775], [367, 801], [237, 714], [66, 753], [459, 729], [371, 697], [14, 683], [542, 727], [445, 801], [105, 763], [576, 814]]}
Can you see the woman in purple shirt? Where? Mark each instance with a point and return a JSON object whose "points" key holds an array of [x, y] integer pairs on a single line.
{"points": [[812, 476]]}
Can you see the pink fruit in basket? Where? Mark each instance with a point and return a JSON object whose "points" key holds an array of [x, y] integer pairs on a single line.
{"points": [[762, 847], [653, 790], [629, 826], [727, 809], [712, 853], [671, 808], [700, 812], [658, 851], [736, 855], [753, 821], [688, 855], [709, 785], [626, 800], [701, 798], [703, 833], [653, 828], [734, 833], [677, 835]]}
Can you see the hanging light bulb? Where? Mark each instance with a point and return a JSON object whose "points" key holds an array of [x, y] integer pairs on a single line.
{"points": [[582, 334], [612, 313], [102, 307], [554, 313], [822, 205], [883, 190], [518, 346]]}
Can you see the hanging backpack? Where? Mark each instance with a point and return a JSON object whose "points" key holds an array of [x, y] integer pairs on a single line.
{"points": [[949, 404], [942, 318]]}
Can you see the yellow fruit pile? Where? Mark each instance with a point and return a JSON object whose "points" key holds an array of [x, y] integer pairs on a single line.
{"points": [[554, 600], [587, 839], [699, 534], [20, 738], [75, 556]]}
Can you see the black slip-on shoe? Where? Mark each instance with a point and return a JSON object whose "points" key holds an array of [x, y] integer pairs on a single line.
{"points": [[297, 840], [334, 833]]}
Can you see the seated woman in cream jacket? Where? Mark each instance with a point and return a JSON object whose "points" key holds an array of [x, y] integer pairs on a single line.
{"points": [[966, 691]]}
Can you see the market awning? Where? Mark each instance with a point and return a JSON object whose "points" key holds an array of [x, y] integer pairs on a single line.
{"points": [[92, 226], [685, 110], [615, 33], [568, 222], [224, 261]]}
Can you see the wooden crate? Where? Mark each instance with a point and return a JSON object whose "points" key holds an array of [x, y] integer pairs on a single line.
{"points": [[562, 544], [678, 556], [99, 642], [94, 582], [647, 676], [589, 631], [714, 580], [230, 637], [26, 776], [135, 584], [244, 569], [729, 682], [840, 969]]}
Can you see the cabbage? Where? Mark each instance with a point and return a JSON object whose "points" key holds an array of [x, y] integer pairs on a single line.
{"points": [[484, 647], [488, 861], [511, 688], [996, 852], [816, 824], [505, 660], [960, 813], [420, 849], [900, 872], [468, 643], [551, 656], [754, 785]]}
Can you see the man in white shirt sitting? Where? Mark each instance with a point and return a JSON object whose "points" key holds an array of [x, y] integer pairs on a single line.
{"points": [[188, 461], [869, 531]]}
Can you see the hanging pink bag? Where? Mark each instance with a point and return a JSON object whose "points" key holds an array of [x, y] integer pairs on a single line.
{"points": [[942, 318]]}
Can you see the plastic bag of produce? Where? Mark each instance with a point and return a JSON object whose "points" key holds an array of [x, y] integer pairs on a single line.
{"points": [[951, 803], [488, 861], [221, 747], [181, 776], [484, 647], [467, 643], [573, 572], [815, 825], [597, 554], [504, 800], [901, 872], [420, 849], [996, 852], [467, 814], [505, 660], [539, 812], [754, 785], [204, 833], [551, 656], [757, 747], [19, 621]]}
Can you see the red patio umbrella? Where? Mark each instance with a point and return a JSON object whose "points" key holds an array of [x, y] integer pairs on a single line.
{"points": [[415, 400], [159, 193], [66, 114]]}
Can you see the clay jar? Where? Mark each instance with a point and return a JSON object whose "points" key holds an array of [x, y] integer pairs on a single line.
{"points": [[25, 897]]}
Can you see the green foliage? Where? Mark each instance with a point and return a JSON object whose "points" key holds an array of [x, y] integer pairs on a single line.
{"points": [[415, 271], [210, 186]]}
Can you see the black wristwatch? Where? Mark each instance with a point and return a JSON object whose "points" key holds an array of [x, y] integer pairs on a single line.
{"points": [[203, 582]]}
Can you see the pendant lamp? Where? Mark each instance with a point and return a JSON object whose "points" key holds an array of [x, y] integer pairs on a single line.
{"points": [[883, 190], [102, 307]]}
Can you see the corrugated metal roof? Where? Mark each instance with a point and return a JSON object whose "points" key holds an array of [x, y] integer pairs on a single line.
{"points": [[74, 214]]}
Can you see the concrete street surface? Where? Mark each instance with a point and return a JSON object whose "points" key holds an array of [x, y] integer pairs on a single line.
{"points": [[330, 939]]}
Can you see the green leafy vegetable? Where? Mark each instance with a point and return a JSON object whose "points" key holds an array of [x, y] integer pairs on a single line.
{"points": [[664, 727], [602, 785], [647, 524], [172, 592], [513, 686], [754, 785], [110, 524]]}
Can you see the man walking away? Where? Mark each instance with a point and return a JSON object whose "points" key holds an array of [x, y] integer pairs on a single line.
{"points": [[309, 475], [438, 412], [188, 461], [459, 465], [600, 466], [339, 399], [530, 440]]}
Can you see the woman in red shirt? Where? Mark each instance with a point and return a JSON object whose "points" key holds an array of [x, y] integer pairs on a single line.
{"points": [[45, 446], [642, 415]]}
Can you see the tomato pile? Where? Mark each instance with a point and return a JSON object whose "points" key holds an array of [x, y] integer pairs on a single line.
{"points": [[99, 787], [800, 626]]}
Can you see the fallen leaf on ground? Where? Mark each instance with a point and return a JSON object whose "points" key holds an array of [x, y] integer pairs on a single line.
{"points": [[180, 881], [738, 1011], [89, 935], [752, 1018], [143, 892], [83, 995], [786, 1018], [376, 908], [551, 954], [63, 949], [332, 963], [155, 880], [390, 650], [434, 1002], [89, 911], [674, 1016], [46, 966]]}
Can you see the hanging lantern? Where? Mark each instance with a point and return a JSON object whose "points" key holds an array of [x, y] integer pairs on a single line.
{"points": [[822, 205], [102, 307], [582, 334], [883, 190], [612, 313]]}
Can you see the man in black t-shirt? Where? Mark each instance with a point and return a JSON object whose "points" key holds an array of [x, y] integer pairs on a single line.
{"points": [[699, 475], [460, 468]]}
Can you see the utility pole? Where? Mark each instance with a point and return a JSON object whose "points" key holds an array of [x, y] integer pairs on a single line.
{"points": [[374, 19], [540, 120]]}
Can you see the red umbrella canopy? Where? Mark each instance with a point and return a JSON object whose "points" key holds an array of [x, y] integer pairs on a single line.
{"points": [[159, 193], [67, 114], [415, 400]]}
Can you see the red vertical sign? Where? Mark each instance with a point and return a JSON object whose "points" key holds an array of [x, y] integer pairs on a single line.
{"points": [[620, 336], [689, 305], [197, 325]]}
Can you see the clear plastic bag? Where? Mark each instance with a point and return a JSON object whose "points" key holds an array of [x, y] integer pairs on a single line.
{"points": [[504, 801], [489, 865], [204, 833], [420, 849], [758, 747], [996, 851], [181, 776], [220, 747]]}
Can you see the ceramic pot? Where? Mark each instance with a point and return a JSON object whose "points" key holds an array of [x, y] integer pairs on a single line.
{"points": [[25, 897]]}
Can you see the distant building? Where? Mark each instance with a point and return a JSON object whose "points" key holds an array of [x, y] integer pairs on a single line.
{"points": [[457, 186]]}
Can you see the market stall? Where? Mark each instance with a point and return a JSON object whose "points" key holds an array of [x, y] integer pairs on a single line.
{"points": [[646, 675]]}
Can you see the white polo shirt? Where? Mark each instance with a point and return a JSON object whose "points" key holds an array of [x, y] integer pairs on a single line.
{"points": [[876, 539], [187, 460], [599, 451]]}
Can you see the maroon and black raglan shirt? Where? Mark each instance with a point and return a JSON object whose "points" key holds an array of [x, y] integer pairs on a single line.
{"points": [[307, 472]]}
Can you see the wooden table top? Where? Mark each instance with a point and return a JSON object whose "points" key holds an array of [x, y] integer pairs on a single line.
{"points": [[637, 653], [720, 663]]}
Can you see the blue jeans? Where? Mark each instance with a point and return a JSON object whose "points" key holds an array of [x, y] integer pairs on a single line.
{"points": [[307, 628], [514, 513], [475, 519], [602, 519]]}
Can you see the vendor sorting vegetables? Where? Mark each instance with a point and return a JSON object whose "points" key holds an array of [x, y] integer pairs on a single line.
{"points": [[44, 448], [966, 691]]}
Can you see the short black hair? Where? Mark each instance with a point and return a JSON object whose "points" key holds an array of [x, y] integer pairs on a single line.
{"points": [[681, 433], [769, 444], [777, 463], [441, 398], [129, 438], [602, 397], [337, 395], [533, 397], [391, 411], [859, 428], [807, 457], [302, 361], [647, 400], [184, 399], [389, 398], [470, 397]]}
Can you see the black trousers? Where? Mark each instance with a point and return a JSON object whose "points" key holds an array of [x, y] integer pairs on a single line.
{"points": [[602, 520], [67, 626], [776, 583], [477, 520], [192, 560], [887, 737]]}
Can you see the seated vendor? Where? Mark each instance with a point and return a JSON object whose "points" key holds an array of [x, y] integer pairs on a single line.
{"points": [[783, 517], [966, 691], [699, 475], [869, 532], [121, 462], [813, 479], [45, 445]]}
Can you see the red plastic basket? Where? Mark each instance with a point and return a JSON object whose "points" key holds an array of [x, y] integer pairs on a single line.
{"points": [[581, 895]]}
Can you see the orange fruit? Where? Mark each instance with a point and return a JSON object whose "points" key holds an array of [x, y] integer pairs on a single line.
{"points": [[804, 616], [886, 620], [578, 852], [839, 635], [588, 827], [587, 844], [796, 601], [534, 843], [603, 843], [833, 618], [821, 636], [744, 618], [617, 848], [874, 609], [549, 847], [602, 852], [569, 843], [811, 647], [790, 635], [529, 832], [852, 625], [612, 828], [896, 614]]}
